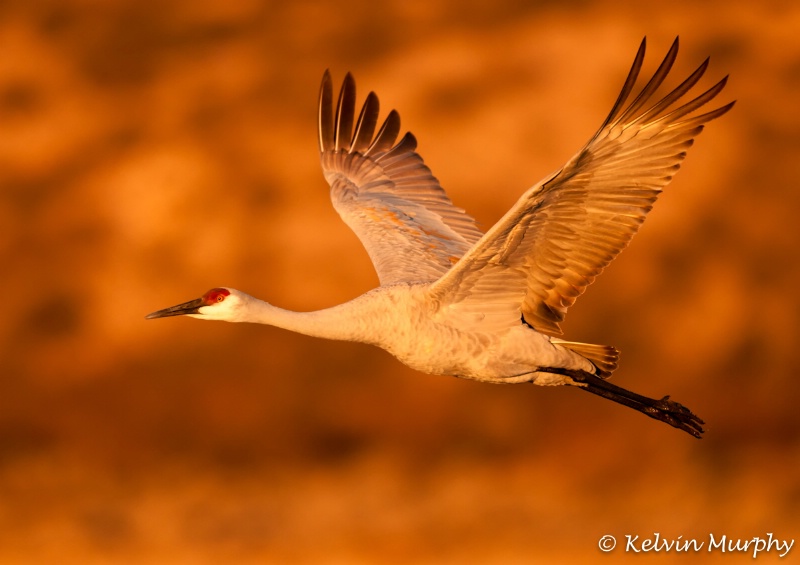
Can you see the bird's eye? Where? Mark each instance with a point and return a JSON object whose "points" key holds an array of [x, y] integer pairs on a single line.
{"points": [[215, 295]]}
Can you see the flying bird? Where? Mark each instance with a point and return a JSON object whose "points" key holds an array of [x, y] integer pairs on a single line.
{"points": [[487, 306]]}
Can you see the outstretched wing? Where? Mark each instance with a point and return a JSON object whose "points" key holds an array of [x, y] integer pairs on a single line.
{"points": [[386, 194], [562, 232]]}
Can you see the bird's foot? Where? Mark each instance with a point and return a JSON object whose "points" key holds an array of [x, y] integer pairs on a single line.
{"points": [[675, 414], [668, 411]]}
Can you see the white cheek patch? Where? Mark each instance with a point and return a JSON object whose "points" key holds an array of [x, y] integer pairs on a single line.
{"points": [[203, 313], [217, 311]]}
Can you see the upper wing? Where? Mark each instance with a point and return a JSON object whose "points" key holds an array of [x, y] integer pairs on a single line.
{"points": [[386, 194], [561, 234]]}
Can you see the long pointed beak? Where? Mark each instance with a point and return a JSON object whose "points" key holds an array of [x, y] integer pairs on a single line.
{"points": [[190, 307]]}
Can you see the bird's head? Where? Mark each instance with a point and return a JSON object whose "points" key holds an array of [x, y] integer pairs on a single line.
{"points": [[216, 304]]}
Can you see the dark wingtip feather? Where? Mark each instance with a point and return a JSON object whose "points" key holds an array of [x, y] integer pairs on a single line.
{"points": [[386, 135], [345, 113], [704, 118], [325, 112], [365, 126], [407, 144]]}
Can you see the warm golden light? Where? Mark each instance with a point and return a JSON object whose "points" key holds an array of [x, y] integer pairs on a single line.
{"points": [[151, 151]]}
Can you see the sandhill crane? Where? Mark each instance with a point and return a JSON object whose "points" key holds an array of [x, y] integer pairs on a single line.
{"points": [[455, 301]]}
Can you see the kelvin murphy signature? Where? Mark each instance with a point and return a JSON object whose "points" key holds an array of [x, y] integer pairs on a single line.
{"points": [[722, 544]]}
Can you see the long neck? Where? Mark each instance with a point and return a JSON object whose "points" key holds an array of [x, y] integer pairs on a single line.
{"points": [[343, 322]]}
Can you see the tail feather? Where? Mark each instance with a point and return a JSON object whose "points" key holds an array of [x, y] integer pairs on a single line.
{"points": [[604, 357]]}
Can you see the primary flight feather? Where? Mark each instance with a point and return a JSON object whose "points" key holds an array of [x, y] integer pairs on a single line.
{"points": [[455, 301]]}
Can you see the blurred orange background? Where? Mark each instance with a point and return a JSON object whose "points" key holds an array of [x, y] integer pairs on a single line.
{"points": [[152, 150]]}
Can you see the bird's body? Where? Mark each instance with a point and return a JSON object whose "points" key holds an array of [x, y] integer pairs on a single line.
{"points": [[402, 319], [455, 301]]}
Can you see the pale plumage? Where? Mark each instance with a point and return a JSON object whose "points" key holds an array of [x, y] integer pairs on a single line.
{"points": [[486, 306]]}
